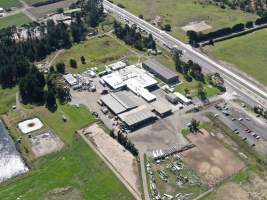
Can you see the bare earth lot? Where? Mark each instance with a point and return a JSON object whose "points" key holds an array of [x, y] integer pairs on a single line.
{"points": [[45, 143], [122, 160], [210, 159]]}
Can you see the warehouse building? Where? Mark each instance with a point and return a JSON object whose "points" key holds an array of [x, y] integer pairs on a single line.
{"points": [[121, 101], [137, 117], [135, 79], [162, 72]]}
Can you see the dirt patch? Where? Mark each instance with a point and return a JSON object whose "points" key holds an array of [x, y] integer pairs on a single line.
{"points": [[210, 159], [257, 187], [196, 26], [45, 143], [231, 191], [67, 193], [121, 159]]}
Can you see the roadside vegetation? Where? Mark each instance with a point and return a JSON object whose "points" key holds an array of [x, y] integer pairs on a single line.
{"points": [[247, 53], [14, 20], [190, 85], [179, 13]]}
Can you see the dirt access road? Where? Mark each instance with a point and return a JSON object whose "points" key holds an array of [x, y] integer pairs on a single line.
{"points": [[119, 160]]}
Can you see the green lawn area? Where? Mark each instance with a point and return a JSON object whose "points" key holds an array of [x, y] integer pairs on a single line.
{"points": [[97, 53], [76, 166], [181, 12], [193, 85], [9, 3], [8, 98], [14, 20], [248, 53]]}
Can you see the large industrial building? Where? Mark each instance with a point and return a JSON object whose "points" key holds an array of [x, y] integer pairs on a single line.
{"points": [[137, 117], [135, 79], [121, 101], [162, 72]]}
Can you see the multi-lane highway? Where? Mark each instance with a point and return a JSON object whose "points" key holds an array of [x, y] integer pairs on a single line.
{"points": [[242, 86]]}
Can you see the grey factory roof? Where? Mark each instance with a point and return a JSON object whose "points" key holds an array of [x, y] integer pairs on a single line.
{"points": [[127, 99], [159, 69], [136, 116], [161, 107], [113, 104], [120, 102]]}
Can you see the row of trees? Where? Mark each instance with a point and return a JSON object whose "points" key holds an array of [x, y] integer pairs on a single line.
{"points": [[195, 37], [188, 69], [32, 88], [133, 37], [258, 6], [124, 141], [18, 54]]}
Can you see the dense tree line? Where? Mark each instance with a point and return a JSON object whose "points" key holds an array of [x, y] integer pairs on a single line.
{"points": [[195, 37], [258, 6], [18, 54], [188, 69], [124, 141], [133, 37]]}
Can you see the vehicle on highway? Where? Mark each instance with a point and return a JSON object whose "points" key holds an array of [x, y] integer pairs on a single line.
{"points": [[240, 119], [258, 137], [236, 131]]}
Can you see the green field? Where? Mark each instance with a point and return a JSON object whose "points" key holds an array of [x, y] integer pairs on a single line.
{"points": [[8, 98], [14, 20], [181, 12], [97, 53], [248, 53], [9, 3], [76, 166]]}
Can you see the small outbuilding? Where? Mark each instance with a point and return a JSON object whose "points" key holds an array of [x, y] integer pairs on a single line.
{"points": [[70, 79]]}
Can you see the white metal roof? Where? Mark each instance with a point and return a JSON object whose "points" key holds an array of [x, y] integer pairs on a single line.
{"points": [[182, 97], [139, 90], [114, 80], [119, 78], [118, 65]]}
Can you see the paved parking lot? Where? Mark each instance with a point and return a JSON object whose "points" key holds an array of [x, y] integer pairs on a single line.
{"points": [[249, 122]]}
